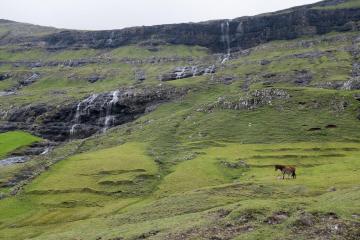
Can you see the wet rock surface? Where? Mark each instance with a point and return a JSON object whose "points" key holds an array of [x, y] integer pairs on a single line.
{"points": [[13, 160], [187, 72], [97, 112], [4, 76]]}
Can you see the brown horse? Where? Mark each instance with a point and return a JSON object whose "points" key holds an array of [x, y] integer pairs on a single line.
{"points": [[289, 170]]}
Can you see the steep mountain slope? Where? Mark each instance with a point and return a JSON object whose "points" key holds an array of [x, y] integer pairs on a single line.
{"points": [[11, 31], [150, 138]]}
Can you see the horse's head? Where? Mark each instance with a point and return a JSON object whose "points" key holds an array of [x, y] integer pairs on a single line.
{"points": [[277, 167]]}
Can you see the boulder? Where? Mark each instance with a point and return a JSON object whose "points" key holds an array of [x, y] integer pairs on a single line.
{"points": [[352, 84], [30, 79], [302, 77], [4, 76], [140, 75], [94, 78], [186, 72]]}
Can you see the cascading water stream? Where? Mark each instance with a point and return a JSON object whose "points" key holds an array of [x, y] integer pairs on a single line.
{"points": [[87, 102], [109, 118], [225, 37]]}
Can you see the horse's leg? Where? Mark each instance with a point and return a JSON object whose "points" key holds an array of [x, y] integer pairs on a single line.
{"points": [[283, 175]]}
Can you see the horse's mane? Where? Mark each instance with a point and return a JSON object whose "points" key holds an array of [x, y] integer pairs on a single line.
{"points": [[279, 166]]}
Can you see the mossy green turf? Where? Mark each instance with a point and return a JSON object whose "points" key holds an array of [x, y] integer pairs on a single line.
{"points": [[345, 4], [11, 141], [188, 193], [168, 171]]}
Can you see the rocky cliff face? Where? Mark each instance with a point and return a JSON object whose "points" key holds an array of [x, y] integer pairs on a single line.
{"points": [[96, 113], [220, 35]]}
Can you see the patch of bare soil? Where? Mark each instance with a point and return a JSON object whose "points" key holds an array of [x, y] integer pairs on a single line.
{"points": [[322, 226], [219, 230]]}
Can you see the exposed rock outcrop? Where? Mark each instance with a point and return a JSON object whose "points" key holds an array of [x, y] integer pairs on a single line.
{"points": [[186, 72], [4, 76], [218, 35], [140, 75], [250, 101], [97, 112], [351, 84], [30, 79]]}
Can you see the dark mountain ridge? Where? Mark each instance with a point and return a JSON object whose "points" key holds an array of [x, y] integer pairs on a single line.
{"points": [[218, 35]]}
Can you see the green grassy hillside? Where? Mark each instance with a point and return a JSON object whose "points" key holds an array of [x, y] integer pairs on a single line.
{"points": [[197, 167], [11, 141]]}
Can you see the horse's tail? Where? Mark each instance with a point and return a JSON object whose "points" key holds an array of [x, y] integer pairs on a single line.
{"points": [[293, 174]]}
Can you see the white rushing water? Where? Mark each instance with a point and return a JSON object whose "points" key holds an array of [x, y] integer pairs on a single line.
{"points": [[82, 107], [46, 151], [225, 38], [180, 73], [109, 118]]}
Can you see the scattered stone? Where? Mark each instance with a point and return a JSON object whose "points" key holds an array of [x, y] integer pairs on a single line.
{"points": [[352, 84], [310, 55], [305, 220], [331, 85], [254, 100], [30, 80], [331, 126], [226, 80], [332, 189], [223, 212], [264, 62], [140, 75], [302, 77], [314, 129], [186, 72], [5, 76], [5, 93], [277, 218], [94, 78], [13, 160], [239, 164], [148, 234], [355, 72], [269, 75]]}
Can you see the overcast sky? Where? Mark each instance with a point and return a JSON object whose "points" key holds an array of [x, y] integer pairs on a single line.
{"points": [[112, 14]]}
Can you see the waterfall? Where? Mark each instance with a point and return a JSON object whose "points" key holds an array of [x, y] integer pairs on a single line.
{"points": [[46, 151], [73, 129], [180, 73], [225, 38], [109, 119], [81, 107]]}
